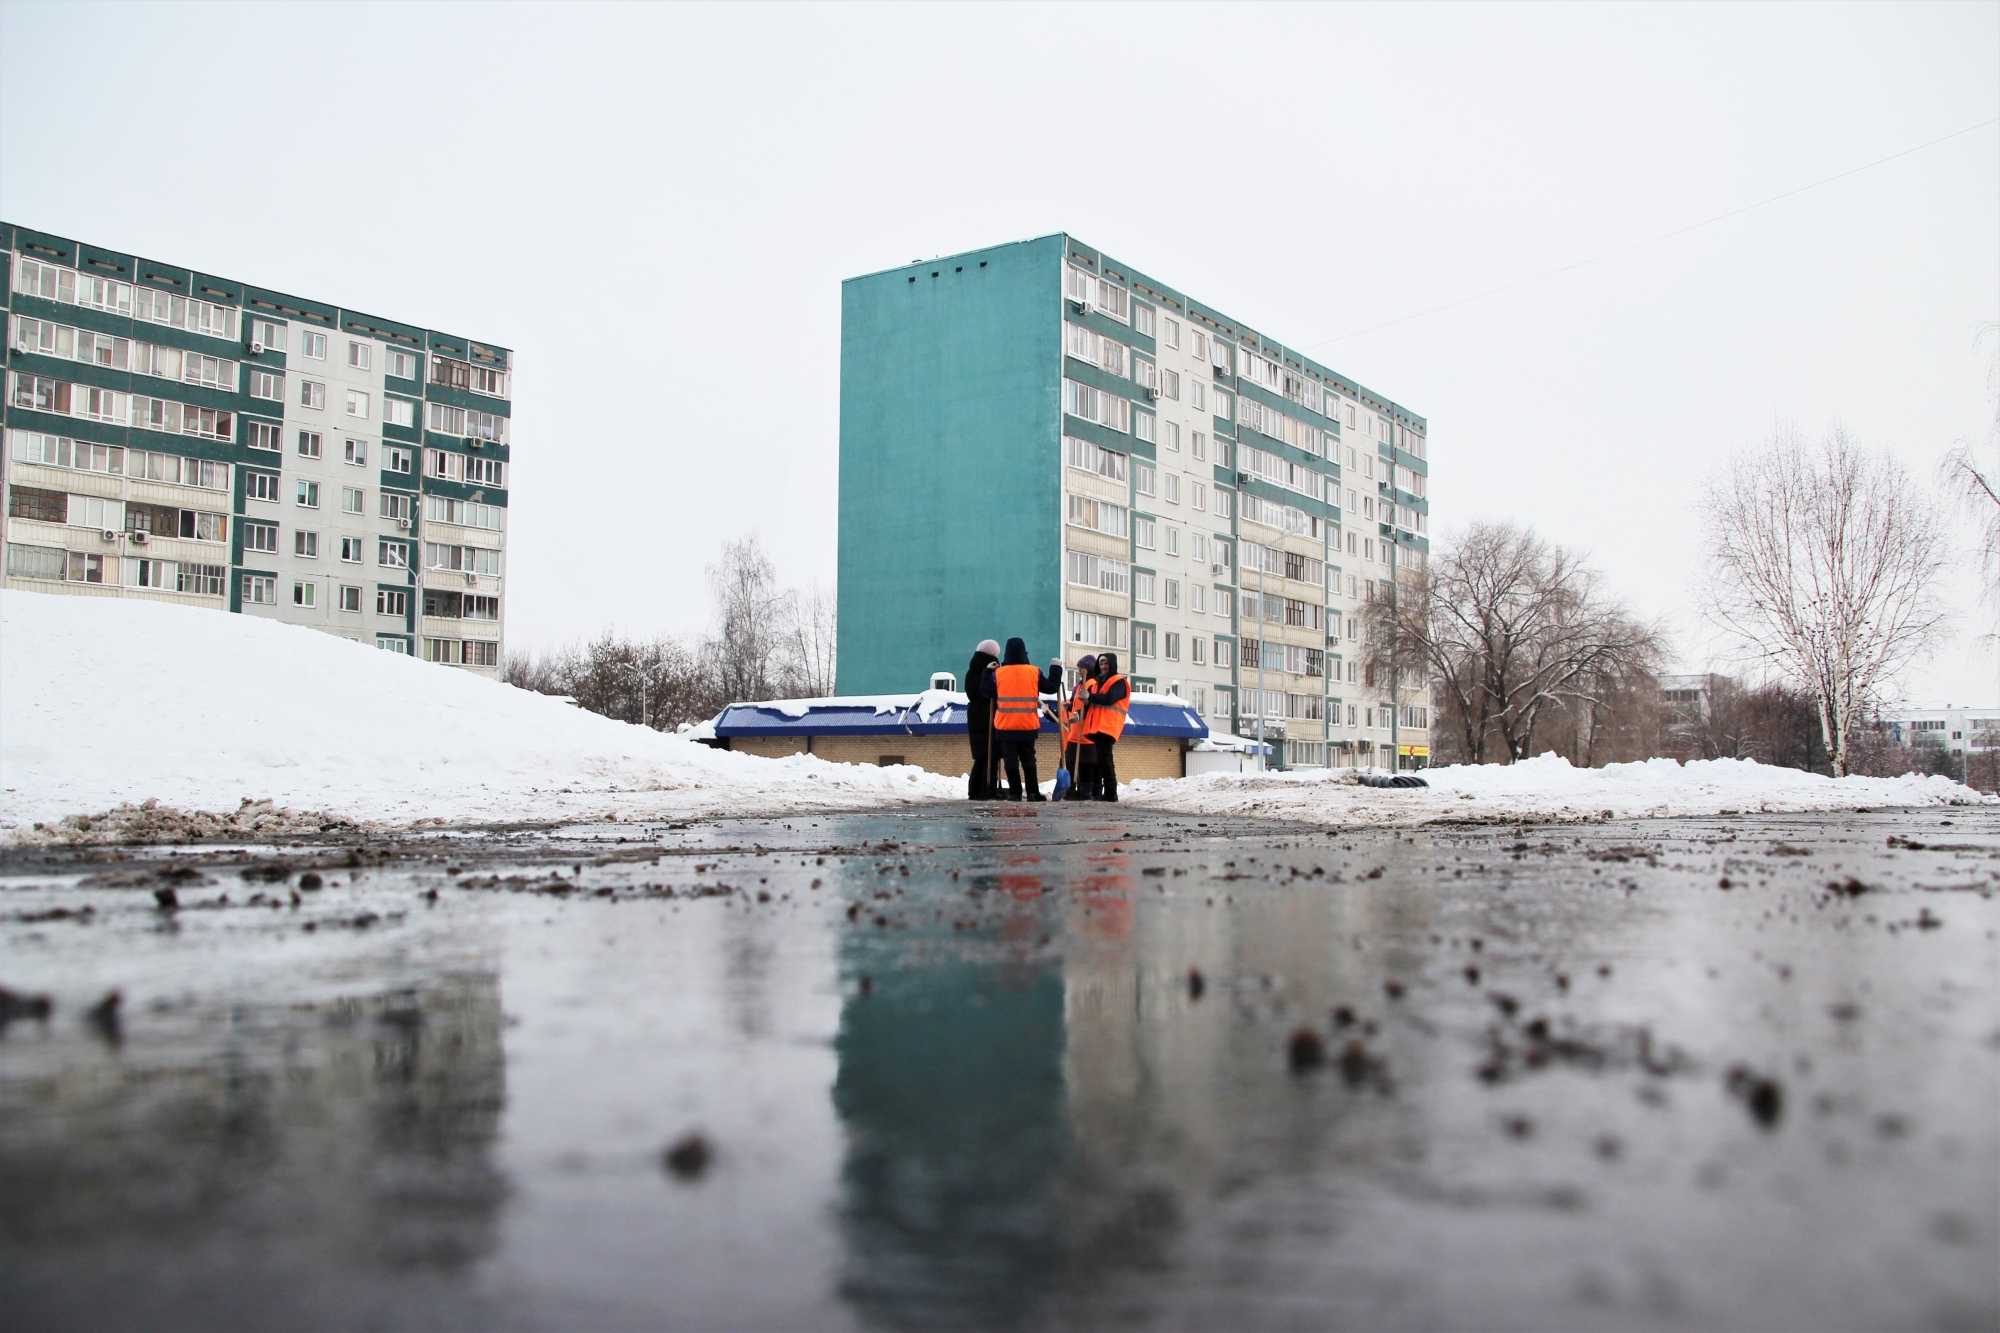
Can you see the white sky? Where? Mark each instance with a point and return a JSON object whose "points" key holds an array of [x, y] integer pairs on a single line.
{"points": [[655, 207]]}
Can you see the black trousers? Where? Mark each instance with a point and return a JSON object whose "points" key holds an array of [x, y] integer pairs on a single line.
{"points": [[1104, 767], [1017, 752], [978, 783]]}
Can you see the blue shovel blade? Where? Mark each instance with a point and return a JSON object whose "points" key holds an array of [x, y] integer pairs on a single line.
{"points": [[1062, 782]]}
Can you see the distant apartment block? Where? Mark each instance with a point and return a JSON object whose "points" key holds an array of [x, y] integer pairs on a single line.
{"points": [[1038, 439], [179, 437], [1961, 728]]}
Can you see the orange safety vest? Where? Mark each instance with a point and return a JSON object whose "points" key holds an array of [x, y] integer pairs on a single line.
{"points": [[1108, 719], [1020, 703], [1079, 707]]}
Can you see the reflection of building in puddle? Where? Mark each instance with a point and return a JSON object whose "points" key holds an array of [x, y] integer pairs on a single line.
{"points": [[358, 1133]]}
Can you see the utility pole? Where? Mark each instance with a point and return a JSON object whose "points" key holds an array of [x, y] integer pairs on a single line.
{"points": [[645, 717]]}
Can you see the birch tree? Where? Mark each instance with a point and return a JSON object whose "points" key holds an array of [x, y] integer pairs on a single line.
{"points": [[1975, 485], [1823, 564]]}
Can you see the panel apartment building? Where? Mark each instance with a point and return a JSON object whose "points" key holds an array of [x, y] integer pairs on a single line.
{"points": [[179, 437], [1038, 439]]}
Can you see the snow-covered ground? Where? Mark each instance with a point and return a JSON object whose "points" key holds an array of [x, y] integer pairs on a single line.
{"points": [[1545, 788], [104, 701]]}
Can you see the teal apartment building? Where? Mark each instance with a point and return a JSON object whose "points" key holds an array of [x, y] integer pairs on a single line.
{"points": [[180, 437], [1038, 439]]}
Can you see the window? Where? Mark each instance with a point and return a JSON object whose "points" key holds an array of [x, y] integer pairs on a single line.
{"points": [[104, 294], [267, 384], [307, 494], [1144, 479], [451, 373], [200, 472], [1198, 656], [463, 513], [392, 555], [1171, 334], [260, 590], [1198, 598], [483, 471], [400, 365], [1197, 496], [102, 349], [350, 597], [41, 394], [48, 562], [265, 435], [350, 550], [304, 594], [87, 511], [1142, 426], [312, 393], [1173, 540], [1099, 572], [1143, 533], [1080, 400], [390, 643], [260, 537], [61, 451], [1197, 395], [305, 544], [1087, 457], [396, 506], [1171, 436], [391, 602], [448, 420], [398, 411], [1198, 447], [1225, 653], [357, 453], [357, 355], [39, 505], [1142, 641], [1173, 491], [1225, 606], [1199, 345], [1170, 646], [309, 444], [1095, 631], [1142, 588], [1142, 318], [261, 486], [48, 281], [396, 460], [489, 380], [357, 402], [476, 607], [1095, 293], [217, 321], [1170, 593], [482, 653], [267, 335], [1223, 405], [1170, 385], [163, 414], [1099, 516], [468, 559], [312, 345]]}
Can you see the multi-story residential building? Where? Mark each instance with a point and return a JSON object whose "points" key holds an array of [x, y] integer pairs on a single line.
{"points": [[1038, 439], [180, 437], [1961, 728]]}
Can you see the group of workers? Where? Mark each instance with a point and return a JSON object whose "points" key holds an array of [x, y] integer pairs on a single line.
{"points": [[1005, 707]]}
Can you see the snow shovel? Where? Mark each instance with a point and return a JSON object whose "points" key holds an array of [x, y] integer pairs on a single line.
{"points": [[1062, 769]]}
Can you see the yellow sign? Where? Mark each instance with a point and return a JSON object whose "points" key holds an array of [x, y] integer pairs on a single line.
{"points": [[1414, 750]]}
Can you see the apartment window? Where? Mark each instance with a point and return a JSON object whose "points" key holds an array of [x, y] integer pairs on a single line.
{"points": [[1099, 516], [261, 486], [1198, 447], [1170, 645], [1143, 533], [1108, 410], [41, 393], [463, 513], [1143, 318], [391, 602], [350, 597], [260, 537], [1142, 426], [357, 402], [305, 544], [1173, 488], [1223, 406], [267, 384], [1170, 593], [1225, 606], [266, 435], [1197, 395], [1143, 641], [306, 494], [267, 335], [352, 499], [1108, 298], [390, 643], [1099, 572], [312, 393], [350, 549], [309, 444], [1095, 631], [1171, 334], [1143, 479], [396, 506], [1225, 653], [400, 365], [451, 373], [448, 420], [357, 452], [305, 594], [39, 505], [489, 380], [476, 607], [1198, 656], [1224, 502], [1198, 598], [1173, 535], [1171, 436], [483, 471], [357, 355], [467, 559], [48, 281], [482, 653], [312, 345], [260, 590], [104, 294], [1197, 495], [396, 460], [392, 555], [1170, 385], [1142, 588], [398, 412]]}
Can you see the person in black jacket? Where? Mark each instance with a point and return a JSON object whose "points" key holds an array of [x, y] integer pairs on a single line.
{"points": [[979, 719], [1016, 747]]}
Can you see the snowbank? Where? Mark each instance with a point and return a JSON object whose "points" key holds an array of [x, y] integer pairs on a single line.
{"points": [[1546, 788], [105, 701]]}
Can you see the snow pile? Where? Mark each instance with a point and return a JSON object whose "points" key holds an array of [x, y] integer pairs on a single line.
{"points": [[1546, 788], [104, 701]]}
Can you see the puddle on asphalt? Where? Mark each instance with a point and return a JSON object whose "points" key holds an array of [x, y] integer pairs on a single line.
{"points": [[1011, 1068]]}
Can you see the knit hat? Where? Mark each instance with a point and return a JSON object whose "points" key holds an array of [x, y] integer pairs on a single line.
{"points": [[987, 646], [1088, 662]]}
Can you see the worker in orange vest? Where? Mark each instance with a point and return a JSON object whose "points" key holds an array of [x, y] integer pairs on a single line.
{"points": [[1104, 723], [1075, 748], [1017, 689]]}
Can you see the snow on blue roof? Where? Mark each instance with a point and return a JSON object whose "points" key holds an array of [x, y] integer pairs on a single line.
{"points": [[932, 713]]}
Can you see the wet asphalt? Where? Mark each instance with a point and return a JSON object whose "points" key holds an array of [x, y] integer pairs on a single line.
{"points": [[1010, 1067]]}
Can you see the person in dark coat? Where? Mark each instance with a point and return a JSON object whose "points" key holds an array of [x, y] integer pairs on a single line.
{"points": [[1018, 719], [979, 719], [1113, 693]]}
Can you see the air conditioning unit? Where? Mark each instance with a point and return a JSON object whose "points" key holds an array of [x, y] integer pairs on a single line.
{"points": [[403, 523], [110, 534], [24, 346], [256, 349], [1081, 304], [1152, 392], [471, 579], [139, 539], [1243, 479]]}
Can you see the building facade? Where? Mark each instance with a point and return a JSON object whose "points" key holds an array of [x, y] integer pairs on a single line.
{"points": [[1037, 439], [184, 438], [1963, 729]]}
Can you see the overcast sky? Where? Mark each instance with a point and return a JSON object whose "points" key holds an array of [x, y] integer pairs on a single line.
{"points": [[656, 205]]}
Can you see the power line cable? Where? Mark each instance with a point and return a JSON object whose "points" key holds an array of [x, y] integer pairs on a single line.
{"points": [[1663, 236]]}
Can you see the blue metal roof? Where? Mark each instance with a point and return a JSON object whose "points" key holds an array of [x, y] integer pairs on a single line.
{"points": [[930, 714]]}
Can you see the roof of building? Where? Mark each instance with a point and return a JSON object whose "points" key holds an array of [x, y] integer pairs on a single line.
{"points": [[932, 713]]}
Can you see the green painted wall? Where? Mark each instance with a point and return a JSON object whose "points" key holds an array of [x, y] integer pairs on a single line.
{"points": [[950, 463]]}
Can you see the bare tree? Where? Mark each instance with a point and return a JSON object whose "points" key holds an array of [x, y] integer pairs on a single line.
{"points": [[812, 641], [1509, 627], [1823, 564], [753, 621], [1976, 486]]}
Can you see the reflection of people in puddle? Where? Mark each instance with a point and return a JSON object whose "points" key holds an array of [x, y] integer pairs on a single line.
{"points": [[951, 1093]]}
